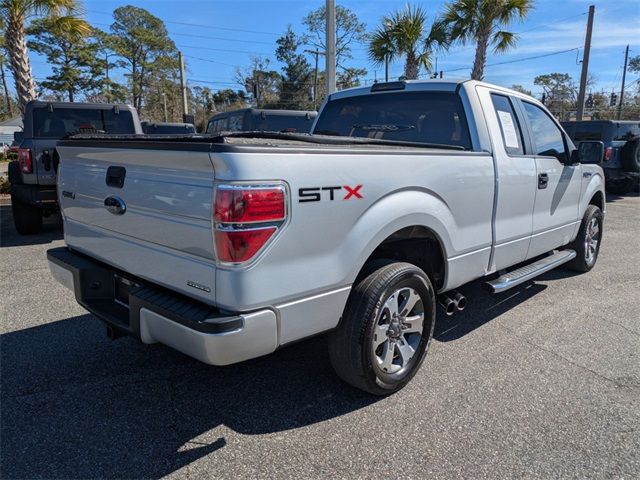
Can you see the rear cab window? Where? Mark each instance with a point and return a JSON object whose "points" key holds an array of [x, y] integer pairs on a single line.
{"points": [[61, 121], [421, 117], [509, 125]]}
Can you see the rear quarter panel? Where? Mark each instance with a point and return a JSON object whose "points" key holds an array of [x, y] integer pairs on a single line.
{"points": [[325, 243]]}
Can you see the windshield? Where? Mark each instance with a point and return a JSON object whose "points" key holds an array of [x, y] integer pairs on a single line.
{"points": [[422, 117], [60, 121]]}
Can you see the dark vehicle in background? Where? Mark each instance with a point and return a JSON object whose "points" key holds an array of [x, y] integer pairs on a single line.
{"points": [[168, 128], [33, 175], [621, 139], [252, 119]]}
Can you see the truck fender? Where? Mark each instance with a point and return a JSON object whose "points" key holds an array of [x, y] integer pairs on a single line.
{"points": [[595, 185], [397, 210]]}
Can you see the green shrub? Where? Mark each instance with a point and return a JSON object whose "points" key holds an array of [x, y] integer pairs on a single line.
{"points": [[5, 186]]}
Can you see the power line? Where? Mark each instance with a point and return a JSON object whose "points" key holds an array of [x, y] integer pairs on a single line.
{"points": [[222, 50], [202, 36], [201, 25]]}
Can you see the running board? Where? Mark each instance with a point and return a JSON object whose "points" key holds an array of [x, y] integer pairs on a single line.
{"points": [[523, 274]]}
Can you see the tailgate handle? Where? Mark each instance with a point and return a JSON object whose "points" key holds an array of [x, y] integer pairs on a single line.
{"points": [[115, 176], [115, 205]]}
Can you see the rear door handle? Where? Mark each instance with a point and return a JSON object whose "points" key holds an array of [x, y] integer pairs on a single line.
{"points": [[543, 180]]}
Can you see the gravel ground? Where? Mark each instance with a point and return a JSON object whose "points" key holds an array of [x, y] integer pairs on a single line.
{"points": [[542, 381]]}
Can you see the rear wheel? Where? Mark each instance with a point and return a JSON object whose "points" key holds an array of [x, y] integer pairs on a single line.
{"points": [[587, 243], [385, 330], [26, 218], [630, 155]]}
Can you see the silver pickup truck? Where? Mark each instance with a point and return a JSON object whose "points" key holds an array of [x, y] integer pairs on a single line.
{"points": [[228, 247]]}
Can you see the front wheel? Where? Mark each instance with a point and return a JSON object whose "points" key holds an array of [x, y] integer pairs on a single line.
{"points": [[587, 243], [386, 329]]}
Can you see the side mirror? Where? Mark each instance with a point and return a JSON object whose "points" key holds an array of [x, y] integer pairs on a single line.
{"points": [[588, 152], [18, 136]]}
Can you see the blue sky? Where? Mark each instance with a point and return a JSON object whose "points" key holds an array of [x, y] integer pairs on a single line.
{"points": [[218, 35]]}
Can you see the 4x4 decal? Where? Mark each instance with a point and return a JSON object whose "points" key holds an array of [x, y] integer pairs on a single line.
{"points": [[315, 194]]}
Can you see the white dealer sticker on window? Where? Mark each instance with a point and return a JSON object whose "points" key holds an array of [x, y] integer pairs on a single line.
{"points": [[508, 129]]}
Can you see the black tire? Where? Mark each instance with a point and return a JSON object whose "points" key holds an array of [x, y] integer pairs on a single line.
{"points": [[26, 218], [351, 348], [630, 155], [583, 262], [620, 187], [13, 172]]}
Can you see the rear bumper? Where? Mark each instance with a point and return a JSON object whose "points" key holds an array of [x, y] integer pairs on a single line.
{"points": [[153, 314], [35, 194]]}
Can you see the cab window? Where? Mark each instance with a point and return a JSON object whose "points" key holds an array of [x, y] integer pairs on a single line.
{"points": [[547, 136]]}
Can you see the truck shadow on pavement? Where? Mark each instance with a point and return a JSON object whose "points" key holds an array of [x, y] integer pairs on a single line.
{"points": [[76, 405], [52, 230]]}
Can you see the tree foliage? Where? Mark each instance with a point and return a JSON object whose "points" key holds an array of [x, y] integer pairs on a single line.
{"points": [[482, 22], [76, 67], [297, 75], [406, 33], [15, 16], [349, 30], [149, 55]]}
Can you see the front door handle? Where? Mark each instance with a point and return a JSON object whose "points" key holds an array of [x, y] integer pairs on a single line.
{"points": [[543, 180]]}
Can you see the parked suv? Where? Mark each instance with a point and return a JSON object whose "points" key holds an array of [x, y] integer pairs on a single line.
{"points": [[621, 162], [251, 119], [33, 175]]}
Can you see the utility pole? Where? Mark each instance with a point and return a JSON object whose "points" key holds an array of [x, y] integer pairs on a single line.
{"points": [[585, 64], [316, 53], [106, 61], [164, 104], [624, 77], [183, 87], [330, 57]]}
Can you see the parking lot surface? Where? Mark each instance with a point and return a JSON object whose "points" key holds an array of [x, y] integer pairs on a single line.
{"points": [[541, 381]]}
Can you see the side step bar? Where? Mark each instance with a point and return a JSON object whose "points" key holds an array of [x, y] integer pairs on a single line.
{"points": [[523, 274]]}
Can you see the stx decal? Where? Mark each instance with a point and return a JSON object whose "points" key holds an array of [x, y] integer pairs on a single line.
{"points": [[315, 194]]}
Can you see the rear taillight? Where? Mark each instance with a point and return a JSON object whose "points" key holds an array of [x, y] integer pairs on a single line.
{"points": [[608, 153], [24, 160], [245, 218]]}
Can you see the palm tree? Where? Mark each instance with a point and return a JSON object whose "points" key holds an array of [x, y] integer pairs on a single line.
{"points": [[481, 21], [404, 33], [14, 15]]}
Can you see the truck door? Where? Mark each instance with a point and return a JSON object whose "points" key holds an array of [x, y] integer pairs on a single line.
{"points": [[515, 179], [558, 185]]}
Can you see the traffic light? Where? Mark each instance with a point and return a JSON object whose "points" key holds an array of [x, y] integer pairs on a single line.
{"points": [[544, 98], [613, 100], [589, 102]]}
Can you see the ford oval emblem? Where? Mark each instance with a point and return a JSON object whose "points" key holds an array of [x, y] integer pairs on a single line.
{"points": [[115, 205]]}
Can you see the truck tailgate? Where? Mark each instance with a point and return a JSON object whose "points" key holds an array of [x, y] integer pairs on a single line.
{"points": [[162, 228]]}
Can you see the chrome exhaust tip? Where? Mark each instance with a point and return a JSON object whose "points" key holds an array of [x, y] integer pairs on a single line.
{"points": [[449, 305], [461, 301]]}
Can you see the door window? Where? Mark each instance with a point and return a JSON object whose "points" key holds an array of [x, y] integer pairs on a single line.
{"points": [[547, 137], [511, 132]]}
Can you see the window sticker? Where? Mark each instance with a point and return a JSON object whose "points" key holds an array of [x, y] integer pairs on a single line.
{"points": [[508, 129]]}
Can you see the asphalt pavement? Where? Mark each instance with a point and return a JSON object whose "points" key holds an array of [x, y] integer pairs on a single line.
{"points": [[540, 382]]}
